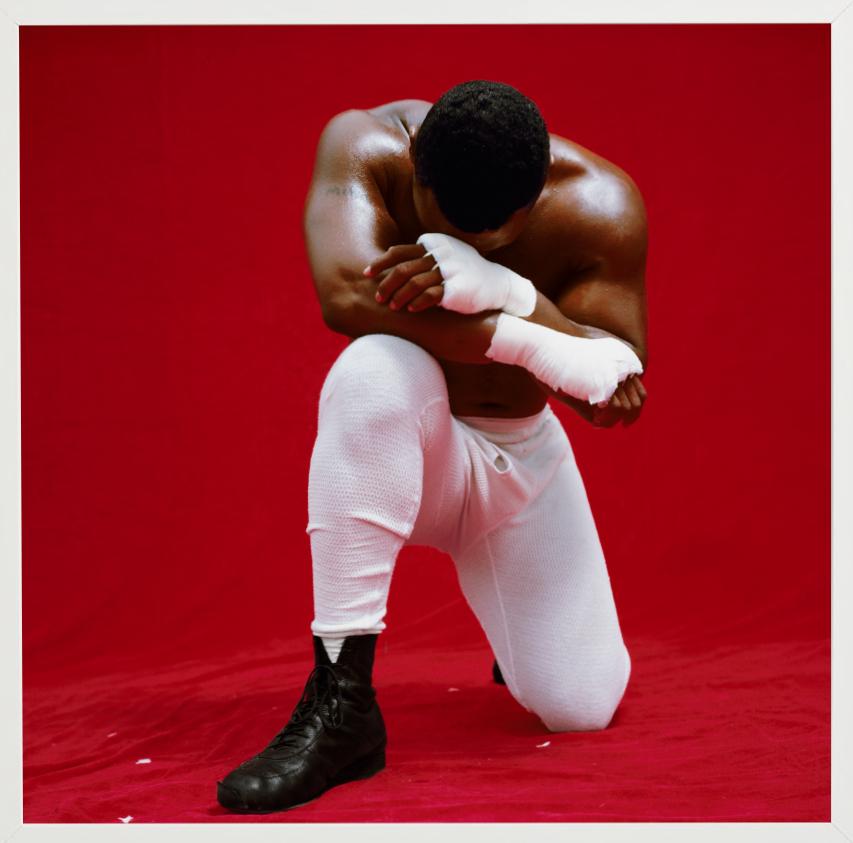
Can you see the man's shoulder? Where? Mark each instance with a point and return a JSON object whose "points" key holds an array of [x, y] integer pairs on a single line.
{"points": [[356, 132], [366, 142], [410, 112], [592, 196], [377, 130]]}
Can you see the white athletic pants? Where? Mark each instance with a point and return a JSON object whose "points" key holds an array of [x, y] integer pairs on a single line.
{"points": [[392, 466]]}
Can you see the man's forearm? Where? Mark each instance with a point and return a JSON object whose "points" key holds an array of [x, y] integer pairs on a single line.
{"points": [[549, 315], [447, 335], [457, 337]]}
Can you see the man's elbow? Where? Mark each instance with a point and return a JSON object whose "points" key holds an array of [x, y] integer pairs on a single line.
{"points": [[334, 315], [340, 313]]}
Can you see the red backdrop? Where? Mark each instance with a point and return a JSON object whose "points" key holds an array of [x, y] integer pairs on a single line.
{"points": [[173, 349]]}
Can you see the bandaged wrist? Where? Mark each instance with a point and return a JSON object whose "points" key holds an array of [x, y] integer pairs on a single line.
{"points": [[589, 369], [472, 283]]}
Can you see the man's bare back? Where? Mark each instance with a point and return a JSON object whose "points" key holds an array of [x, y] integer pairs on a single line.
{"points": [[583, 247]]}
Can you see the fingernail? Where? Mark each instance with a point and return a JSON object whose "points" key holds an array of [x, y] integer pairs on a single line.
{"points": [[379, 297], [367, 270]]}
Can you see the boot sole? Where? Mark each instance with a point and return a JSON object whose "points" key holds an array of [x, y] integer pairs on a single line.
{"points": [[364, 768]]}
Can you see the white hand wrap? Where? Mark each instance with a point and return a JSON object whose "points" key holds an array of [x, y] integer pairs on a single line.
{"points": [[589, 369], [472, 283]]}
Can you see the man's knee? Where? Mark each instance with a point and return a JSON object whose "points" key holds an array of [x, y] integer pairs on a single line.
{"points": [[586, 714], [384, 372], [570, 704]]}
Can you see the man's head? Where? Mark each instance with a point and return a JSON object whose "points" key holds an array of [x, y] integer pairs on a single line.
{"points": [[481, 158]]}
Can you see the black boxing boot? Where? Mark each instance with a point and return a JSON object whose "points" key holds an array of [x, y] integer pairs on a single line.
{"points": [[336, 734]]}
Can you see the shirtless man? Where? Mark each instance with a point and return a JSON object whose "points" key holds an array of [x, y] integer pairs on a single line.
{"points": [[480, 265]]}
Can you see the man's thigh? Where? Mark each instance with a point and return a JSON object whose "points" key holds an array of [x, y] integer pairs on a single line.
{"points": [[539, 585]]}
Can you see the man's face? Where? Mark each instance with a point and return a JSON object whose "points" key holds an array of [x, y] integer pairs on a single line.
{"points": [[432, 219]]}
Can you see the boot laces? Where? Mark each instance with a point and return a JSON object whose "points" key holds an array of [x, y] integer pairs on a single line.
{"points": [[322, 696]]}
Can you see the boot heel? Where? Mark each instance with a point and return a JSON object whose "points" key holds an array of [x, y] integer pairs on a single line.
{"points": [[363, 768]]}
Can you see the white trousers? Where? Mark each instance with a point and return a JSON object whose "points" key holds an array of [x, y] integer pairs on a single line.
{"points": [[503, 497]]}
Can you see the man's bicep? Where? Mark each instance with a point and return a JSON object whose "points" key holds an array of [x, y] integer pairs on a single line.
{"points": [[346, 223], [614, 305], [346, 227]]}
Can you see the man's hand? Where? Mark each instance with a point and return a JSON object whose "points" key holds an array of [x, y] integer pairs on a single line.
{"points": [[440, 269], [624, 405], [412, 279]]}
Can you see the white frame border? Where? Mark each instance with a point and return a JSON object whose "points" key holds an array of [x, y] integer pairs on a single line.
{"points": [[15, 13]]}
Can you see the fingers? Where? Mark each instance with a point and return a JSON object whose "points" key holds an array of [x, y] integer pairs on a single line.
{"points": [[619, 401], [428, 298], [413, 288], [636, 395], [393, 256], [624, 405], [407, 280], [399, 277]]}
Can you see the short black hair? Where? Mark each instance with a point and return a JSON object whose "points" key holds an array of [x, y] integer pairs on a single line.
{"points": [[484, 151]]}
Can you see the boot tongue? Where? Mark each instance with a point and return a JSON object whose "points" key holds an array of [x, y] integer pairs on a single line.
{"points": [[355, 660]]}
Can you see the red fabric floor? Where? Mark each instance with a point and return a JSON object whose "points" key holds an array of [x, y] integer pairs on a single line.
{"points": [[731, 734], [173, 352]]}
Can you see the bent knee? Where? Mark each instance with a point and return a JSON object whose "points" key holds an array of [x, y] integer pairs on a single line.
{"points": [[582, 706], [381, 363], [581, 715]]}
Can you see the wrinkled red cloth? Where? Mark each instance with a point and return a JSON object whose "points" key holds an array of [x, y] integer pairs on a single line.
{"points": [[173, 352], [729, 734]]}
